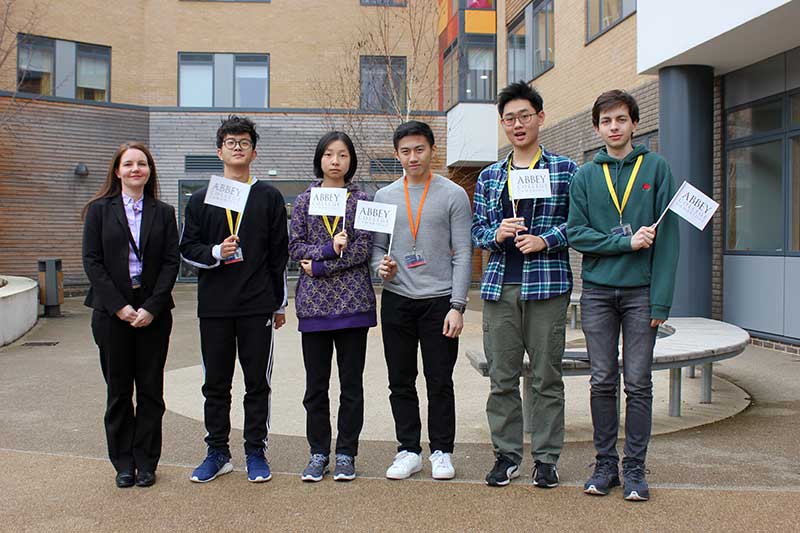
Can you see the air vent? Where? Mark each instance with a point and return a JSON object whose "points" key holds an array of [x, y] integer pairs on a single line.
{"points": [[385, 165], [202, 163]]}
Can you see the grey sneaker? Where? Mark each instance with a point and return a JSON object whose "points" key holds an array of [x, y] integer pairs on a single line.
{"points": [[345, 468], [316, 468]]}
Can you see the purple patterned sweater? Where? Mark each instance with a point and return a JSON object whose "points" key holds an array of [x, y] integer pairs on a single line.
{"points": [[339, 295]]}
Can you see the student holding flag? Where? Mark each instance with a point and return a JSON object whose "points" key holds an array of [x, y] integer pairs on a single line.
{"points": [[628, 280], [241, 294], [335, 306], [426, 278], [525, 288]]}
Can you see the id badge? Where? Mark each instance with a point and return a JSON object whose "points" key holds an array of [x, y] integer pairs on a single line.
{"points": [[414, 259], [623, 230], [237, 257]]}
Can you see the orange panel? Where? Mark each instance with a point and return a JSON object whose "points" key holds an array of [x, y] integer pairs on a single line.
{"points": [[480, 22]]}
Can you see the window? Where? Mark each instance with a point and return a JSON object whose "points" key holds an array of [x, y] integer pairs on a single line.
{"points": [[35, 65], [795, 196], [604, 14], [223, 80], [755, 120], [383, 83], [754, 196], [92, 72], [531, 42], [480, 73], [196, 80], [450, 78], [252, 81]]}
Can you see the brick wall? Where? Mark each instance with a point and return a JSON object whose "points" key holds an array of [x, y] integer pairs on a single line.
{"points": [[716, 223], [40, 196]]}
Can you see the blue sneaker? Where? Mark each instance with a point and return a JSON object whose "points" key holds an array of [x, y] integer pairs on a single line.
{"points": [[604, 478], [216, 463], [258, 468], [636, 489]]}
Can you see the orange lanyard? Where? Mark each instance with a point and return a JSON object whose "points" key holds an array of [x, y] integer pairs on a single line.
{"points": [[414, 225]]}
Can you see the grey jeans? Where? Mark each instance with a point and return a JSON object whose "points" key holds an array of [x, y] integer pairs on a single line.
{"points": [[604, 312]]}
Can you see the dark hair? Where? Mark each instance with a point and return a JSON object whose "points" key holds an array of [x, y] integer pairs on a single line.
{"points": [[235, 125], [112, 186], [323, 144], [412, 127], [519, 90], [612, 99]]}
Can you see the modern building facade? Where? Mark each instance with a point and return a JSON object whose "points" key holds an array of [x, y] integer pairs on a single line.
{"points": [[84, 76], [719, 89]]}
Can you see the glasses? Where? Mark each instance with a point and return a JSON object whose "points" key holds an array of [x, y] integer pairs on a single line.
{"points": [[244, 144], [524, 118]]}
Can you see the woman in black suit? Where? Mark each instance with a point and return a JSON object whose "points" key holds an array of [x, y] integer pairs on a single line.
{"points": [[130, 254]]}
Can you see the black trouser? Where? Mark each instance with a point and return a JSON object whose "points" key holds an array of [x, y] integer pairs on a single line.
{"points": [[133, 356], [351, 349], [219, 339], [406, 324]]}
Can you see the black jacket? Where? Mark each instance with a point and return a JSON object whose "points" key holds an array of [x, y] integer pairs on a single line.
{"points": [[255, 286], [105, 255]]}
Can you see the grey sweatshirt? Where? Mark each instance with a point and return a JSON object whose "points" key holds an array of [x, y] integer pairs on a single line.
{"points": [[443, 240]]}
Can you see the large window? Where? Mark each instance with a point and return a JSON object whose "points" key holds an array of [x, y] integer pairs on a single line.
{"points": [[762, 172], [480, 73], [383, 84], [196, 80], [35, 65], [223, 80], [604, 14], [92, 72], [531, 42], [252, 81]]}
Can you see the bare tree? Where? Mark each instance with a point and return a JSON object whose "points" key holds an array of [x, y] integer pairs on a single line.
{"points": [[16, 18], [388, 72]]}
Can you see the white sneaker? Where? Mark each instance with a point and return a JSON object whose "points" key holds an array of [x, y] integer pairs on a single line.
{"points": [[441, 465], [405, 463]]}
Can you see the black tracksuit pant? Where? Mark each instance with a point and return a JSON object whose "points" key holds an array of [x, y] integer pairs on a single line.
{"points": [[220, 340], [351, 349], [133, 358], [408, 323]]}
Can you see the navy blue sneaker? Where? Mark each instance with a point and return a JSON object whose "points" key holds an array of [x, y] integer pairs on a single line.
{"points": [[258, 468], [216, 463], [604, 478], [636, 489]]}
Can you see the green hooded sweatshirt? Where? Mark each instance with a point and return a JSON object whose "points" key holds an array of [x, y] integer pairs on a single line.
{"points": [[608, 260]]}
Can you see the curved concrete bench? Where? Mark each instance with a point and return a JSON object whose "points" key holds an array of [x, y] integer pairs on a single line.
{"points": [[19, 308], [682, 342]]}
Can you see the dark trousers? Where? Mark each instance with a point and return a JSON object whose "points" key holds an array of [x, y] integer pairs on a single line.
{"points": [[408, 323], [351, 350], [604, 311], [133, 358], [220, 340]]}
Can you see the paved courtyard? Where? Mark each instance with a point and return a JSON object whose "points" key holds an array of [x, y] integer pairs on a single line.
{"points": [[731, 464]]}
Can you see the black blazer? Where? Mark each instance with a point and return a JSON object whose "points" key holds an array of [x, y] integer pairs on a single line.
{"points": [[105, 255]]}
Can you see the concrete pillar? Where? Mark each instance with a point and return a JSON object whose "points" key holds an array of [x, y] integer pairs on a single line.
{"points": [[686, 140]]}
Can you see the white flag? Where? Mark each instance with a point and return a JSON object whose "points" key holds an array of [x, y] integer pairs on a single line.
{"points": [[227, 193], [530, 183], [330, 201], [375, 216], [693, 205]]}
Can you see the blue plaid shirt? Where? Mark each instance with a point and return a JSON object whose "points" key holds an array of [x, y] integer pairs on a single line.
{"points": [[547, 273]]}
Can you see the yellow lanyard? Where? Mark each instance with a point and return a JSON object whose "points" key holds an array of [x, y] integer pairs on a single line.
{"points": [[327, 222], [235, 231], [628, 188], [508, 179]]}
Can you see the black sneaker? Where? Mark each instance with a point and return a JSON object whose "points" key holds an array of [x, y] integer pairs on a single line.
{"points": [[503, 472], [605, 477], [636, 488], [545, 475]]}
